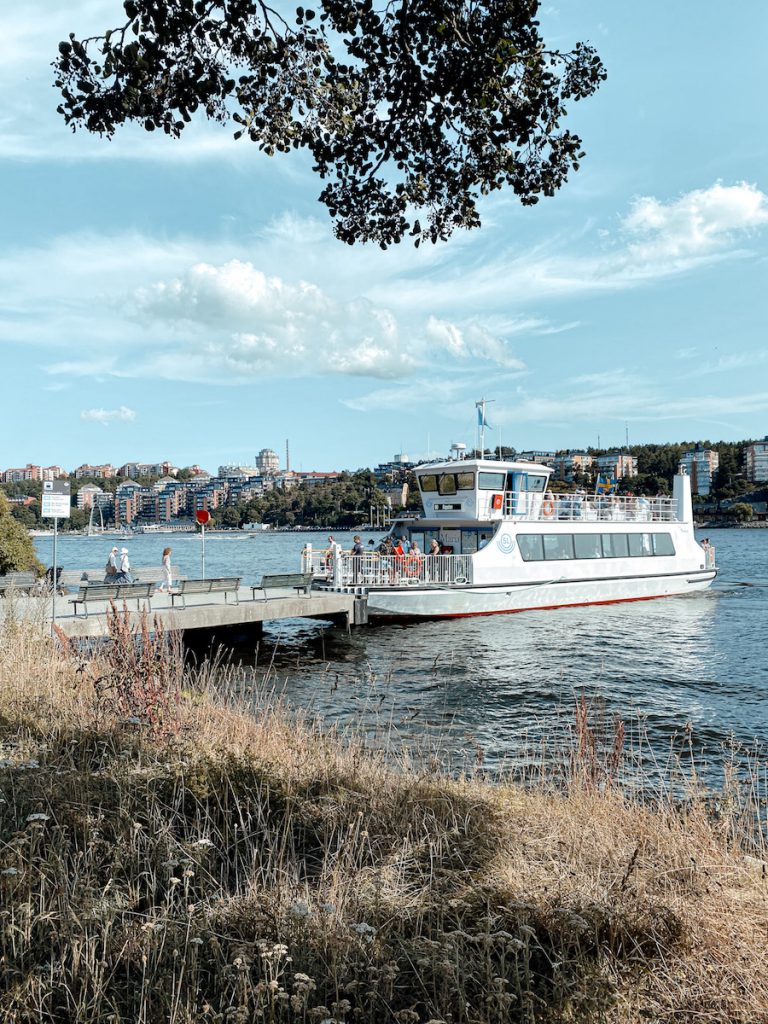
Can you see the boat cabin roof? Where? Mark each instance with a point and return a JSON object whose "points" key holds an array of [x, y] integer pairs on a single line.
{"points": [[468, 465]]}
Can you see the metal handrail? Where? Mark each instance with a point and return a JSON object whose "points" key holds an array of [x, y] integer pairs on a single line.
{"points": [[374, 570], [589, 508]]}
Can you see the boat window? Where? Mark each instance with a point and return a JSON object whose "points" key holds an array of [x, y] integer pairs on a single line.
{"points": [[465, 481], [531, 547], [588, 545], [615, 545], [447, 483], [640, 545], [558, 546], [490, 481], [428, 482], [662, 544], [468, 542], [536, 483]]}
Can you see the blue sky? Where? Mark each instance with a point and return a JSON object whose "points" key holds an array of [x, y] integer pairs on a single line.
{"points": [[188, 300]]}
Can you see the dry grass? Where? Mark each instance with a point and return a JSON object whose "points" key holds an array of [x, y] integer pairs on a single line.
{"points": [[169, 853]]}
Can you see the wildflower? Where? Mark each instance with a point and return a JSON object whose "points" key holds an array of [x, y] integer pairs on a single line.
{"points": [[9, 871], [204, 841], [364, 929], [328, 908], [38, 817], [300, 909]]}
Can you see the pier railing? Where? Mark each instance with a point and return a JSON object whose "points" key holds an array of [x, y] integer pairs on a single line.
{"points": [[374, 570], [590, 508]]}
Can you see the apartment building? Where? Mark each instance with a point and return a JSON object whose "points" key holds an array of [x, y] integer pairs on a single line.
{"points": [[616, 465], [756, 461], [104, 472], [568, 465], [18, 475], [700, 464]]}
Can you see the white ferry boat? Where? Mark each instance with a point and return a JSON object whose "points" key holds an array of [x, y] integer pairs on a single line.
{"points": [[508, 544]]}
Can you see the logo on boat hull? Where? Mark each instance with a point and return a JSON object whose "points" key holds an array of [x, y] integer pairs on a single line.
{"points": [[506, 543]]}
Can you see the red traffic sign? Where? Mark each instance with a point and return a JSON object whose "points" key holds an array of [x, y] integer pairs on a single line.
{"points": [[203, 516]]}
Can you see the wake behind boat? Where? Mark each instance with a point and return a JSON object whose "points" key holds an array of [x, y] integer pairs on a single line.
{"points": [[507, 544]]}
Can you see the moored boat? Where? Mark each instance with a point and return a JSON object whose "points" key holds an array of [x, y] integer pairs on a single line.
{"points": [[508, 544]]}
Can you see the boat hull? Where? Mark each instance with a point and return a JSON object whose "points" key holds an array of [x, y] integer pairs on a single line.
{"points": [[459, 602]]}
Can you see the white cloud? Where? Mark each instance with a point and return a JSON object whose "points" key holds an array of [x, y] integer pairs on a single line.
{"points": [[236, 321], [697, 224], [107, 416]]}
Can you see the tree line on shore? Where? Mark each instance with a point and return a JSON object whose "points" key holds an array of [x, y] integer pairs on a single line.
{"points": [[348, 501]]}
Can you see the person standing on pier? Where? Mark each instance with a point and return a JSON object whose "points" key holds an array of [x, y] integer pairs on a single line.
{"points": [[124, 574], [167, 580], [110, 569]]}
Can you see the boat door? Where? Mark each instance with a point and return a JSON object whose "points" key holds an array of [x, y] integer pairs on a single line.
{"points": [[517, 488]]}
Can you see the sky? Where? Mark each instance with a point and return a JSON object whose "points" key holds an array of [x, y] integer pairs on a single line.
{"points": [[188, 301]]}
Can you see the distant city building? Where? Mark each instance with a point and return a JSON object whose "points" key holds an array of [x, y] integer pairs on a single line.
{"points": [[756, 461], [566, 466], [701, 465], [395, 471], [616, 465], [17, 475], [543, 458], [87, 494], [132, 469], [104, 472], [233, 472], [267, 462], [313, 479], [54, 473]]}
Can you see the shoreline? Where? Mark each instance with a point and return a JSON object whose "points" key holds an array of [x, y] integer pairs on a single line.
{"points": [[232, 861]]}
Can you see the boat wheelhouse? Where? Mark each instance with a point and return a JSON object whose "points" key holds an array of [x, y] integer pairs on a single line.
{"points": [[507, 544]]}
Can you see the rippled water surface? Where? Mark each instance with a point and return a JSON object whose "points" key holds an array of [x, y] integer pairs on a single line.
{"points": [[693, 667]]}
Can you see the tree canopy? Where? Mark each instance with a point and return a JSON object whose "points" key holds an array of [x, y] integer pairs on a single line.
{"points": [[410, 112], [17, 550]]}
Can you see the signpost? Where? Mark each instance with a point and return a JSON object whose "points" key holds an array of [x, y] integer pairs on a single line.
{"points": [[56, 504], [203, 516]]}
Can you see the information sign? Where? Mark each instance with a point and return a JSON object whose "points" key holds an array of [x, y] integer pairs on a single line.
{"points": [[56, 501]]}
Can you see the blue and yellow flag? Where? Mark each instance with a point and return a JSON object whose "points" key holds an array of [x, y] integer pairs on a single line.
{"points": [[605, 485]]}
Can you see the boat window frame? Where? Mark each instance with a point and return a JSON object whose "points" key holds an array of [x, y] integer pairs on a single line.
{"points": [[658, 535], [499, 475], [423, 477], [523, 540], [617, 534], [440, 479], [598, 547], [465, 473], [560, 538]]}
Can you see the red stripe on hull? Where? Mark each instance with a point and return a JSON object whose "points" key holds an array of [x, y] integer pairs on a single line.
{"points": [[514, 611]]}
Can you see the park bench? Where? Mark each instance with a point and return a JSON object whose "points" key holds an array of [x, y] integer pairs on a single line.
{"points": [[298, 581], [221, 585], [19, 581], [112, 592]]}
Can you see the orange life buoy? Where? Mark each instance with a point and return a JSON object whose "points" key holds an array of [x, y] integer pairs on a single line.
{"points": [[496, 501], [412, 565], [548, 508]]}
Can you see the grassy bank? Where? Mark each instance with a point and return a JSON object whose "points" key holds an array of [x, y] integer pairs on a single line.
{"points": [[168, 854]]}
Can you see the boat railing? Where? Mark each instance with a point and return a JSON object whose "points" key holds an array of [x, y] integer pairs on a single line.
{"points": [[590, 508], [373, 570]]}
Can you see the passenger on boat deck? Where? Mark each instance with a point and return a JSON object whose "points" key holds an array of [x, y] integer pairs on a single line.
{"points": [[399, 551], [434, 547], [385, 548], [414, 549], [357, 546]]}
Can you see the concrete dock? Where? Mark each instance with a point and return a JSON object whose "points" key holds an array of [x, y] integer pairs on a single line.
{"points": [[207, 615]]}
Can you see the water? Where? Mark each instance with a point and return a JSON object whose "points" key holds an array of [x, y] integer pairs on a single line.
{"points": [[690, 669]]}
